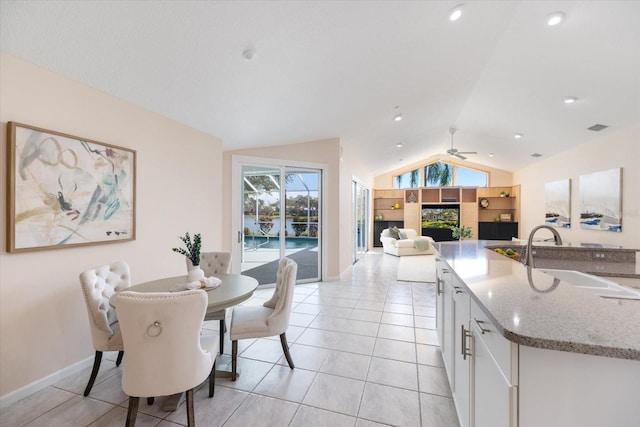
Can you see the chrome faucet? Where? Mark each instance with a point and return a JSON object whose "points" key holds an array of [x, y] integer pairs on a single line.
{"points": [[556, 237]]}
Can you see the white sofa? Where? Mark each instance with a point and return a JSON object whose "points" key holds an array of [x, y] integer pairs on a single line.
{"points": [[405, 246]]}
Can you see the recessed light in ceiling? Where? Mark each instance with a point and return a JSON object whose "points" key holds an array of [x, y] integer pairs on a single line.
{"points": [[554, 18], [398, 117], [517, 136], [570, 99], [399, 144], [249, 54], [490, 154], [456, 13]]}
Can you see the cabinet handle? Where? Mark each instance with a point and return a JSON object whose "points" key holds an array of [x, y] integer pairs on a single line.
{"points": [[479, 325], [458, 289], [466, 351], [438, 289]]}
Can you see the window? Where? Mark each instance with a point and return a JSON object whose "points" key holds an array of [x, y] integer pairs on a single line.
{"points": [[409, 179], [442, 174], [438, 174]]}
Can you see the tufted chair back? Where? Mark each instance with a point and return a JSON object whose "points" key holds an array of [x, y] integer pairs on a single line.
{"points": [[98, 285], [269, 319], [161, 333], [166, 354], [282, 298], [213, 263]]}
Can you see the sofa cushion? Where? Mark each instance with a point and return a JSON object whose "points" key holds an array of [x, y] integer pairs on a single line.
{"points": [[402, 234], [394, 232], [406, 243]]}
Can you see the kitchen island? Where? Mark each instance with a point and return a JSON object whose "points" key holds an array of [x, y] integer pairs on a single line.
{"points": [[522, 348]]}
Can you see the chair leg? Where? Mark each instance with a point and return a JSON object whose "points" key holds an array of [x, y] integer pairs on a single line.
{"points": [[223, 329], [191, 419], [212, 379], [94, 373], [119, 359], [132, 413], [150, 400], [234, 359], [285, 348]]}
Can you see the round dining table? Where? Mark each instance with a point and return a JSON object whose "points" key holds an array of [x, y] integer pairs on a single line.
{"points": [[233, 289]]}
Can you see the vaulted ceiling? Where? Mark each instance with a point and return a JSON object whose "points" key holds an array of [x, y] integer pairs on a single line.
{"points": [[322, 69]]}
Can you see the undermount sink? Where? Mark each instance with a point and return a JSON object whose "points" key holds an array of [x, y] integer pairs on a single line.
{"points": [[597, 285]]}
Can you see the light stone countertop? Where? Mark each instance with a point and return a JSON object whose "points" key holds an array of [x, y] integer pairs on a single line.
{"points": [[562, 318]]}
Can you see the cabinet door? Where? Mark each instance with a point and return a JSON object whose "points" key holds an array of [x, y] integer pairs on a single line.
{"points": [[441, 266], [494, 398], [447, 326], [461, 357]]}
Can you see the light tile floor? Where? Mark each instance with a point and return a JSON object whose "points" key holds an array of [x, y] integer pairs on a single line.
{"points": [[365, 351]]}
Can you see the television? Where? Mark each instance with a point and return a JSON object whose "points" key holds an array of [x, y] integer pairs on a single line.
{"points": [[437, 221]]}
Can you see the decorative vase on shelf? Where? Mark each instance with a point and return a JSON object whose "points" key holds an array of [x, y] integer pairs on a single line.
{"points": [[195, 274], [396, 206]]}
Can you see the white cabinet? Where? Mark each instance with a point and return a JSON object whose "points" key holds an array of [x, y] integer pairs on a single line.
{"points": [[481, 364], [494, 396], [461, 352], [444, 315]]}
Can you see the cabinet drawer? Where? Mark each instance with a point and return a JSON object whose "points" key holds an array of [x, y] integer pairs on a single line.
{"points": [[503, 351]]}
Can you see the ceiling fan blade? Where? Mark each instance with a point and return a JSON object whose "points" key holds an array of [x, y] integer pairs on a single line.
{"points": [[467, 152], [460, 156]]}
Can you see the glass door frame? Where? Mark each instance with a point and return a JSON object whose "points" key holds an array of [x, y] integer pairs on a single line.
{"points": [[237, 163], [364, 215]]}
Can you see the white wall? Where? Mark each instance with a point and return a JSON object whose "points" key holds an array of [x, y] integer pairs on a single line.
{"points": [[43, 321], [614, 149]]}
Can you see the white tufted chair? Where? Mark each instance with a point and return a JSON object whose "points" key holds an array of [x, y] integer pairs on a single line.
{"points": [[269, 319], [213, 263], [98, 285], [165, 352]]}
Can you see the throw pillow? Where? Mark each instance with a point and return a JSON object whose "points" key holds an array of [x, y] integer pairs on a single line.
{"points": [[395, 232], [402, 235]]}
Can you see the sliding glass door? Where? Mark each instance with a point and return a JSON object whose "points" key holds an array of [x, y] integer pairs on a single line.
{"points": [[280, 217], [360, 208]]}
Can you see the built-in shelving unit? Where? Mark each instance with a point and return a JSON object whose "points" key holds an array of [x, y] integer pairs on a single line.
{"points": [[385, 212], [498, 220], [499, 215]]}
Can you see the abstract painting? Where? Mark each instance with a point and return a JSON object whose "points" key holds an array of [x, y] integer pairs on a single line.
{"points": [[601, 200], [67, 191], [558, 203]]}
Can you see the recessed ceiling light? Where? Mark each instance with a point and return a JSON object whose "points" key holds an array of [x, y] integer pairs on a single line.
{"points": [[249, 54], [398, 117], [490, 154], [456, 13], [570, 99], [554, 18], [517, 136], [399, 144]]}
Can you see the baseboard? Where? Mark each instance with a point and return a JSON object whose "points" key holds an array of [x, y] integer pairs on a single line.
{"points": [[43, 383]]}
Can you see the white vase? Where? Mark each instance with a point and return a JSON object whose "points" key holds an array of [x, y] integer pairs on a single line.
{"points": [[196, 273]]}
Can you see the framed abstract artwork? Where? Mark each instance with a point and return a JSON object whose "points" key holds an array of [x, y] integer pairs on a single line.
{"points": [[601, 200], [558, 203], [67, 191]]}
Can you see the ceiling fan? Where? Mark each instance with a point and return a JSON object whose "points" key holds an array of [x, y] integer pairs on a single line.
{"points": [[453, 151]]}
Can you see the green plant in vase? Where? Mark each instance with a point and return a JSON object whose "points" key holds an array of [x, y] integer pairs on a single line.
{"points": [[461, 233], [192, 252]]}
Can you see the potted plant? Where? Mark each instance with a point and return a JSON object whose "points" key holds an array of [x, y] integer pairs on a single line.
{"points": [[192, 252], [461, 233]]}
